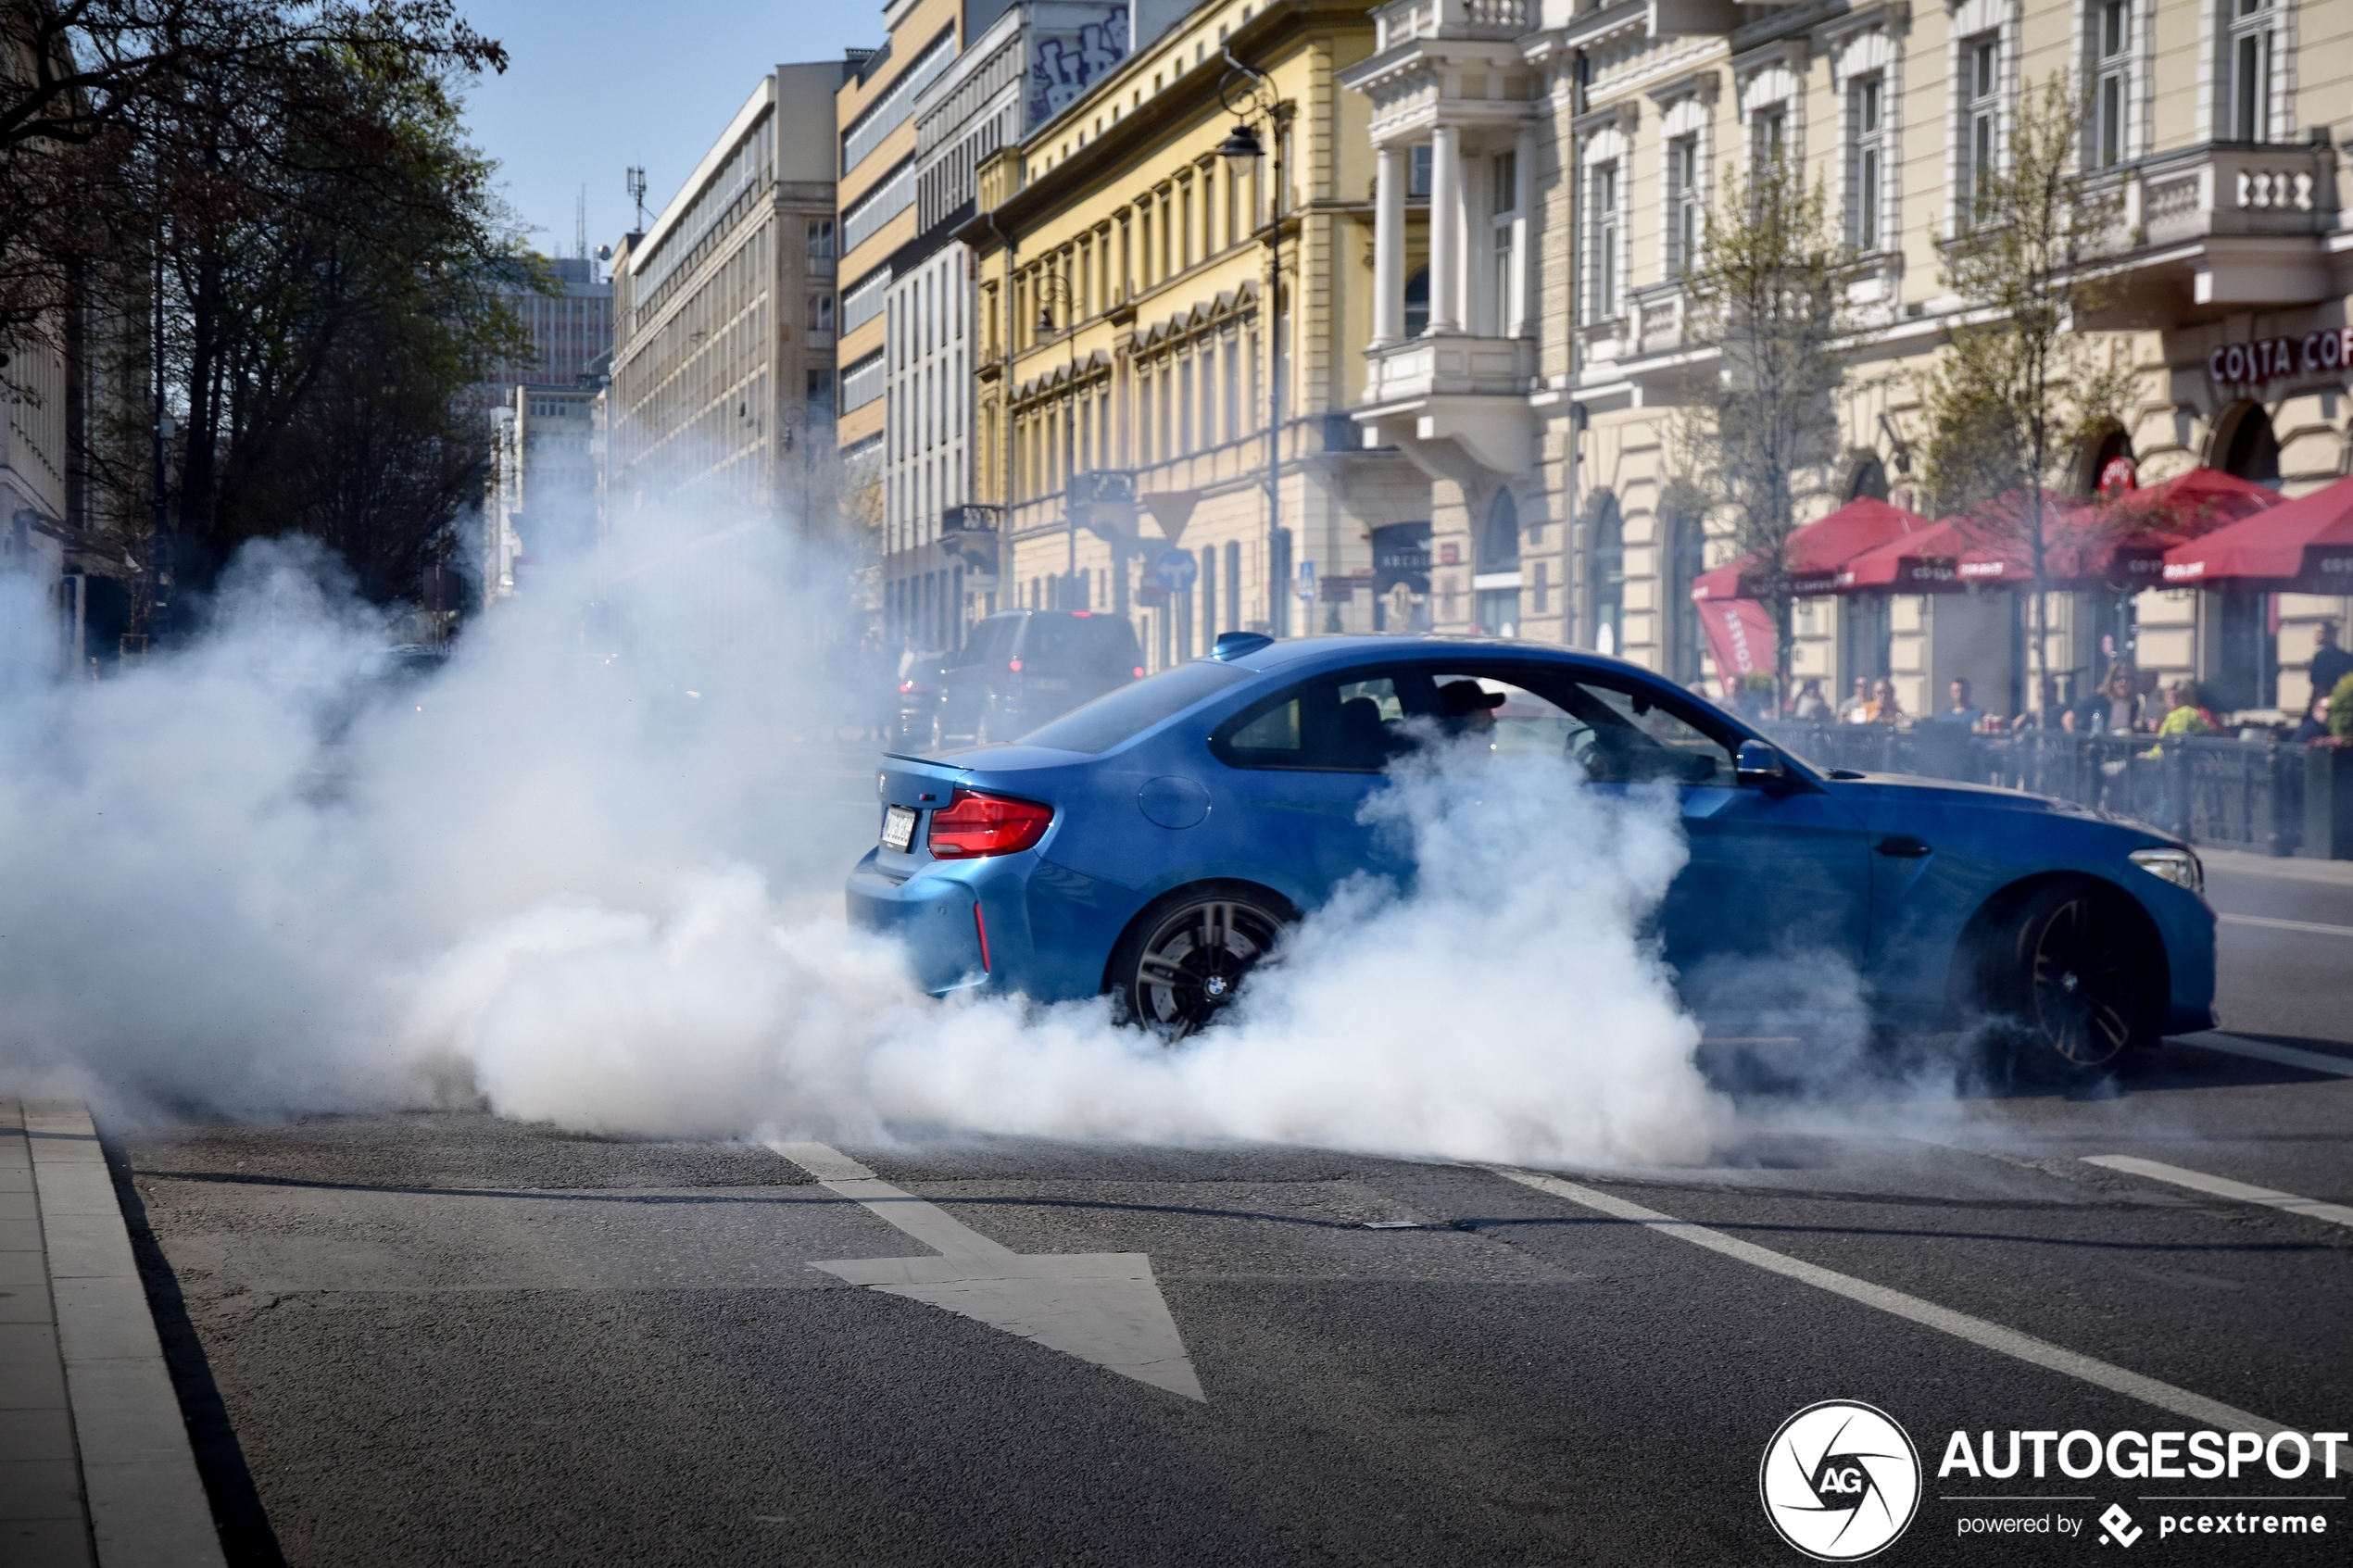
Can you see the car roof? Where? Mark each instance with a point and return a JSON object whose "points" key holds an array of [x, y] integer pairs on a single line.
{"points": [[1310, 652]]}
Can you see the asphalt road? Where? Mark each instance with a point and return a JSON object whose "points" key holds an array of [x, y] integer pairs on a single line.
{"points": [[445, 1339]]}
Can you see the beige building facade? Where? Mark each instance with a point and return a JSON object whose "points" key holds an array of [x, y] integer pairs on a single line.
{"points": [[1533, 360], [722, 377]]}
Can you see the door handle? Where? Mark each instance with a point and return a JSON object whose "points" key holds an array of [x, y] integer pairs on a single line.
{"points": [[1902, 846]]}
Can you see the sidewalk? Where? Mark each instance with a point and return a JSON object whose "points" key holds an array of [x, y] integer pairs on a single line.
{"points": [[2288, 868], [96, 1467]]}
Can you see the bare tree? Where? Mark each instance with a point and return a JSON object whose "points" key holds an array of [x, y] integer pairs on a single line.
{"points": [[2021, 387], [1761, 439]]}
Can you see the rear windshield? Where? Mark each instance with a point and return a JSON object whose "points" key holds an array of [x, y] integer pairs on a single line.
{"points": [[1080, 644], [1132, 710], [991, 643]]}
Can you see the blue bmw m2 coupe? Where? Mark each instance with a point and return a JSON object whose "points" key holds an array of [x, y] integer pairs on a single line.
{"points": [[1155, 842]]}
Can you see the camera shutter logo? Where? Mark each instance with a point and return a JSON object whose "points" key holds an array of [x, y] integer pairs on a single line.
{"points": [[1841, 1481]]}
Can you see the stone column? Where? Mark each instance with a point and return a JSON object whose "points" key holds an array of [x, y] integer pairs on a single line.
{"points": [[1389, 246], [1445, 230]]}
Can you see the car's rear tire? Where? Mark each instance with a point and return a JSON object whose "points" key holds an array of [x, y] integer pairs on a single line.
{"points": [[2072, 978], [1184, 960]]}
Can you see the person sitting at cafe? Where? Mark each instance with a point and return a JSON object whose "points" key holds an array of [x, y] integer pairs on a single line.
{"points": [[2330, 663], [1885, 710], [2183, 716], [1961, 710], [2316, 721], [2116, 709], [1811, 704]]}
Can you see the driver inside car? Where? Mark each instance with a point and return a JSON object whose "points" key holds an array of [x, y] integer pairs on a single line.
{"points": [[1466, 708]]}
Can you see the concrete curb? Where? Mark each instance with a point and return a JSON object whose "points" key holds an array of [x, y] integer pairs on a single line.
{"points": [[146, 1503]]}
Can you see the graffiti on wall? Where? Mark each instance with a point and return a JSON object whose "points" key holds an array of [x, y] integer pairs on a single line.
{"points": [[1064, 65]]}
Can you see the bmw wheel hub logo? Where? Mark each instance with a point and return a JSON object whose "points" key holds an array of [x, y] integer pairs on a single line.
{"points": [[1840, 1480]]}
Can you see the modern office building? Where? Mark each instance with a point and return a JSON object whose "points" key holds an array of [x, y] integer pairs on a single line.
{"points": [[567, 330], [1533, 360], [722, 388], [1166, 445]]}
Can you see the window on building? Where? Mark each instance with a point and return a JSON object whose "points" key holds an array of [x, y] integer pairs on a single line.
{"points": [[820, 312], [2250, 72], [1233, 388], [1609, 578], [821, 396], [1980, 118], [2111, 92], [1184, 404], [821, 238], [1418, 303], [1769, 134], [1417, 172], [1606, 280], [1209, 394], [1506, 210], [1684, 213], [1867, 163]]}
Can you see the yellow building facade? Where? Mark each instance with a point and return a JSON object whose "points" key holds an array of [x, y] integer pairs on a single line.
{"points": [[1129, 363]]}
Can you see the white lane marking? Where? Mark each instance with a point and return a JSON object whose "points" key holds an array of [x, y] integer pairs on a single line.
{"points": [[2273, 922], [2263, 1050], [1101, 1307], [2222, 1187], [1977, 1331]]}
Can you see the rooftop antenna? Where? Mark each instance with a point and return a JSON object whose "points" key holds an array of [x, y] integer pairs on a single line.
{"points": [[579, 225], [638, 192]]}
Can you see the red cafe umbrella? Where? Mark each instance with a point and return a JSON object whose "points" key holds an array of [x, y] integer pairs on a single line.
{"points": [[1924, 561], [2303, 546], [2118, 544], [1816, 551]]}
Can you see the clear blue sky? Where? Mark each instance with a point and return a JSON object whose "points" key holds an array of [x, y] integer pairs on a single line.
{"points": [[596, 86]]}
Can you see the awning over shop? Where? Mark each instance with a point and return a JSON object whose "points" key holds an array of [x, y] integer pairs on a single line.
{"points": [[2303, 546], [1816, 551]]}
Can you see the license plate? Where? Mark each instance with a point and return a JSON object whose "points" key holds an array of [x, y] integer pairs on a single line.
{"points": [[1049, 682], [898, 827]]}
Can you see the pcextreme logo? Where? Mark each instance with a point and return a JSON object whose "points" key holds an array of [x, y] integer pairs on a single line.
{"points": [[1841, 1481]]}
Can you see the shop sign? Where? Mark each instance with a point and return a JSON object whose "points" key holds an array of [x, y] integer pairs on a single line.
{"points": [[2118, 475], [2249, 364]]}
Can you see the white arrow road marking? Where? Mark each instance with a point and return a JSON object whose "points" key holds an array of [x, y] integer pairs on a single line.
{"points": [[1977, 1331], [1101, 1307], [2222, 1187]]}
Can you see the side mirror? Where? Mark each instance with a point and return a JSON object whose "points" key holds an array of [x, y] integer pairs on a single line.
{"points": [[1758, 762]]}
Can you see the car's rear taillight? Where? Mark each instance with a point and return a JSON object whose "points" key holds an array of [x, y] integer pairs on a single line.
{"points": [[974, 825]]}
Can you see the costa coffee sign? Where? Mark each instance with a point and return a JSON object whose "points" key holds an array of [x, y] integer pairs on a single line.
{"points": [[2250, 364]]}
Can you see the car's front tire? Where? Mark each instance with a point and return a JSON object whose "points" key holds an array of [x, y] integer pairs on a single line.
{"points": [[2074, 978], [1184, 960]]}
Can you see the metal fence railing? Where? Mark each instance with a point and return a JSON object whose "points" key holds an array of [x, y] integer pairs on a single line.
{"points": [[2240, 794]]}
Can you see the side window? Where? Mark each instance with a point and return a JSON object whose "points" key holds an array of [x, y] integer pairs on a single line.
{"points": [[1625, 736], [1349, 723]]}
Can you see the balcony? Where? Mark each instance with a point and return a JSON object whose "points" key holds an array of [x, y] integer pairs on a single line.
{"points": [[1457, 406], [2238, 224], [1449, 365], [1497, 21]]}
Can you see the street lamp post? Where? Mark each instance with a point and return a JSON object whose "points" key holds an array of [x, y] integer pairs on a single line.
{"points": [[1053, 285], [1246, 92]]}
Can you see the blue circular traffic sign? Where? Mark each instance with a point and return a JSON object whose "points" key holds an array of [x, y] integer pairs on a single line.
{"points": [[1176, 569]]}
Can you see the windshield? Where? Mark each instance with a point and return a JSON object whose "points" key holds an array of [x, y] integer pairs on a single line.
{"points": [[1132, 710]]}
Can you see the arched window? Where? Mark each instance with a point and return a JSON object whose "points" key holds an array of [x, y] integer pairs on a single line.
{"points": [[1687, 557], [1418, 303], [1609, 576], [1869, 481], [2245, 445]]}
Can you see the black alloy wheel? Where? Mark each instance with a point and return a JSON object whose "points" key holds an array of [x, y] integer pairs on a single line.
{"points": [[2077, 981], [1177, 968]]}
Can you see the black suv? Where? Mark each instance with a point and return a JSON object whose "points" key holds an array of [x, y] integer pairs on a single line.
{"points": [[1024, 667]]}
